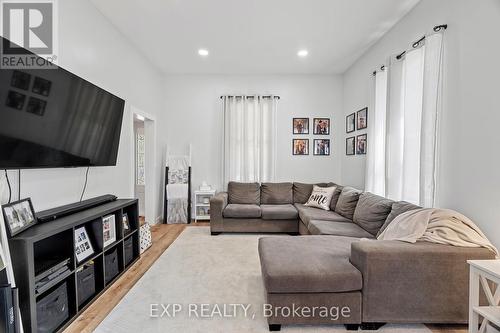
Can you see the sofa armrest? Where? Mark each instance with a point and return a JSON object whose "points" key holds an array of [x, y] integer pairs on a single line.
{"points": [[421, 282], [217, 205]]}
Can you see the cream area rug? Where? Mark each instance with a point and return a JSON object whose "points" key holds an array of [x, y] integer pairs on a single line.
{"points": [[206, 283]]}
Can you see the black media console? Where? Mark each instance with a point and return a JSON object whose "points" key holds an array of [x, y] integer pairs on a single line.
{"points": [[54, 241]]}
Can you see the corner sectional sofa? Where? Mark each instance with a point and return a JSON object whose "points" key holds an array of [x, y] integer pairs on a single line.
{"points": [[338, 264]]}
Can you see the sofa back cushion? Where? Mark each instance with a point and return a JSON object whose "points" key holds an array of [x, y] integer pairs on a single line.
{"points": [[371, 212], [398, 207], [347, 202], [336, 195], [276, 193], [243, 193], [302, 191]]}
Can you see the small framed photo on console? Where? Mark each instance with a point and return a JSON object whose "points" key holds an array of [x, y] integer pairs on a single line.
{"points": [[83, 246], [108, 230], [18, 216], [126, 224]]}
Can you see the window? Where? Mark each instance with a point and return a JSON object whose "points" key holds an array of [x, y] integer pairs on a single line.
{"points": [[403, 141], [249, 138]]}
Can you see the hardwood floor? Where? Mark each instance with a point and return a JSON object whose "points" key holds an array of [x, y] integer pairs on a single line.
{"points": [[163, 236]]}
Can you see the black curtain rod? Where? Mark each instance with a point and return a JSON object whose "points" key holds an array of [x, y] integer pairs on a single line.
{"points": [[437, 28], [250, 96]]}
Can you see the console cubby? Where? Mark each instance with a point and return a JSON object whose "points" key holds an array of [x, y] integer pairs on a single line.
{"points": [[48, 297], [133, 238], [44, 250], [56, 239]]}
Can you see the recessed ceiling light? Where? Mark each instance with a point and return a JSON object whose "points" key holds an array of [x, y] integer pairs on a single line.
{"points": [[302, 53], [203, 52]]}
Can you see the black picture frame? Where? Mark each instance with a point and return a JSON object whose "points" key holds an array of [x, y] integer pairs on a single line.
{"points": [[126, 224], [12, 213], [296, 129], [362, 119], [361, 144], [317, 126], [350, 146], [36, 106], [15, 100], [304, 152], [326, 149], [20, 80], [350, 120], [41, 86]]}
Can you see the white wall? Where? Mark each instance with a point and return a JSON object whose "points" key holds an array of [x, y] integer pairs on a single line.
{"points": [[194, 115], [93, 49], [468, 180]]}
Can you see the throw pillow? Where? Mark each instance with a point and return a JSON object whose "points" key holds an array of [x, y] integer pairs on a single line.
{"points": [[321, 197]]}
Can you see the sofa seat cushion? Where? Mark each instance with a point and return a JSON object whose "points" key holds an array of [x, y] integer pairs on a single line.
{"points": [[348, 229], [371, 212], [308, 264], [242, 211], [276, 193], [243, 193], [279, 212], [307, 214]]}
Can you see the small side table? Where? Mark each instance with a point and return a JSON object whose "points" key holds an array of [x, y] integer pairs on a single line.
{"points": [[482, 271], [202, 204]]}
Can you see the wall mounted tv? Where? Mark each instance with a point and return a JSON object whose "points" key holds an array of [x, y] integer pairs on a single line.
{"points": [[51, 118]]}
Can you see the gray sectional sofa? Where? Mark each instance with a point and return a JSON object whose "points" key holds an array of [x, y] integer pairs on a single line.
{"points": [[332, 267]]}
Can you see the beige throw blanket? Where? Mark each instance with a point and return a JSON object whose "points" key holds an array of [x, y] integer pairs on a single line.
{"points": [[442, 226]]}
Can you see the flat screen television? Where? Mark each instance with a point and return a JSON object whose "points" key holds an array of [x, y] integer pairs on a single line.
{"points": [[51, 118]]}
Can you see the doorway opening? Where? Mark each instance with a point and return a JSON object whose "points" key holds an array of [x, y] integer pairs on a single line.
{"points": [[144, 163]]}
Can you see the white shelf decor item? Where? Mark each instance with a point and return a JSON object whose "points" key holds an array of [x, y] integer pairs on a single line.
{"points": [[202, 204], [108, 230], [482, 272]]}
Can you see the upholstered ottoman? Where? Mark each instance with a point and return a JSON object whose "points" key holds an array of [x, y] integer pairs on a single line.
{"points": [[309, 280]]}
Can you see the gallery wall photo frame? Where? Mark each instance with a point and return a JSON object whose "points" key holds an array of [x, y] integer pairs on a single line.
{"points": [[350, 123], [41, 86], [18, 216], [361, 144], [300, 125], [321, 147], [321, 126], [362, 119], [20, 80], [300, 147], [350, 144]]}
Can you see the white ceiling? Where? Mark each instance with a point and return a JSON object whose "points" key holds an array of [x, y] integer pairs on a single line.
{"points": [[254, 36]]}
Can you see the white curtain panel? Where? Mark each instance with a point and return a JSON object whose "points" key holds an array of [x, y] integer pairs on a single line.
{"points": [[375, 158], [431, 110], [412, 123], [249, 139]]}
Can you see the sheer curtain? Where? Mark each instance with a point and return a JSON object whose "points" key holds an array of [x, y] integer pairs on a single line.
{"points": [[375, 158], [249, 138], [405, 143]]}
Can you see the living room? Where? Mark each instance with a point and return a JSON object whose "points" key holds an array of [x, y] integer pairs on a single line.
{"points": [[256, 104]]}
